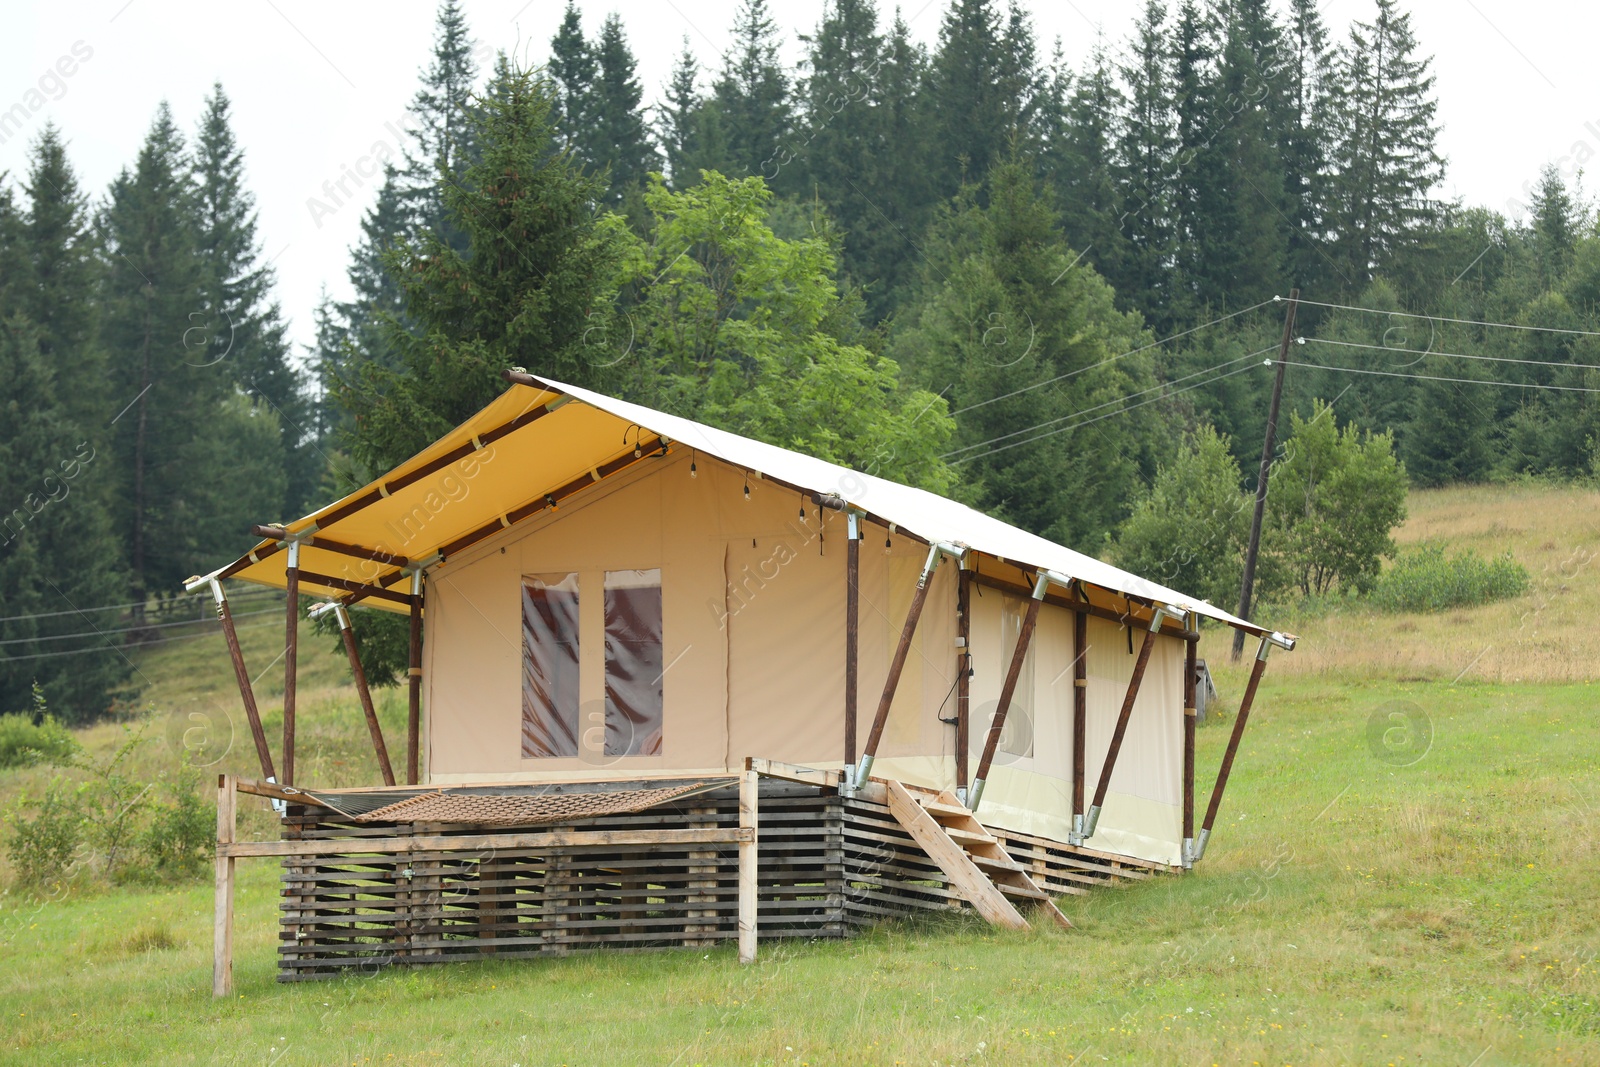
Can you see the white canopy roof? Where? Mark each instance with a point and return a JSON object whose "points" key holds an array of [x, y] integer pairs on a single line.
{"points": [[927, 515]]}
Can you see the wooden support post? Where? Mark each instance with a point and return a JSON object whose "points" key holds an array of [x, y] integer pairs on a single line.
{"points": [[1233, 748], [1008, 690], [246, 691], [414, 679], [852, 632], [1122, 727], [1268, 443], [1080, 706], [362, 691], [749, 886], [963, 677], [222, 921], [1192, 644], [291, 651], [898, 663]]}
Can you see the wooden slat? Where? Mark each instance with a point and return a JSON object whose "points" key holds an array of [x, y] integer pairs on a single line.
{"points": [[795, 773], [551, 839]]}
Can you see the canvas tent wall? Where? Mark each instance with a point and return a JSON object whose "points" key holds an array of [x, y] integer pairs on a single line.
{"points": [[555, 484]]}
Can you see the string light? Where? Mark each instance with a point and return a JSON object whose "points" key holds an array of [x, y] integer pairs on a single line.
{"points": [[693, 472], [747, 487]]}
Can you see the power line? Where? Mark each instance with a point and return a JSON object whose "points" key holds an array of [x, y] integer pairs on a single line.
{"points": [[1462, 322], [125, 607], [1121, 411], [123, 648], [129, 629], [1454, 355], [1437, 378], [1112, 359], [1097, 407]]}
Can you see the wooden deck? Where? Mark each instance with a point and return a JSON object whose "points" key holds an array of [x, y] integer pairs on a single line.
{"points": [[826, 866]]}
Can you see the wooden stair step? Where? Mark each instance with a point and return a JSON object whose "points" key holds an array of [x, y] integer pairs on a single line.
{"points": [[1031, 891], [978, 837], [996, 863], [938, 808]]}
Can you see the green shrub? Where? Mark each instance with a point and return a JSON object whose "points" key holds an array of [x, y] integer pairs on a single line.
{"points": [[1425, 580], [34, 737], [181, 838], [44, 835], [23, 743]]}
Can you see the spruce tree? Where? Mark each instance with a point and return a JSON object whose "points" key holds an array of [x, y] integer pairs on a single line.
{"points": [[1144, 169], [1303, 145], [1019, 335], [1085, 174], [1249, 239], [1385, 158], [243, 334], [974, 92], [159, 383], [57, 547], [839, 139], [529, 291], [1555, 221], [409, 200], [14, 267], [752, 97], [881, 253], [441, 133], [680, 119], [574, 69], [1199, 166], [618, 136], [58, 259], [1447, 438]]}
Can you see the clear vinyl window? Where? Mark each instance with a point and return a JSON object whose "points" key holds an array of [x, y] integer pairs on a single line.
{"points": [[633, 663], [550, 665]]}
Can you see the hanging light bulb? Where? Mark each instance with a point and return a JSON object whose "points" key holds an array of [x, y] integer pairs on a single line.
{"points": [[692, 470], [802, 509], [550, 501], [747, 487], [888, 541]]}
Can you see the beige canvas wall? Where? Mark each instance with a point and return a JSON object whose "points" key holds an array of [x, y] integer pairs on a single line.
{"points": [[753, 618], [753, 621]]}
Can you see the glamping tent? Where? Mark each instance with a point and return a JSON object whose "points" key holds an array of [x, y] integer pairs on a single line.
{"points": [[617, 613]]}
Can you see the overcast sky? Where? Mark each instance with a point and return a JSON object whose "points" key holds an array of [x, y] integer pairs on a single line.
{"points": [[316, 86]]}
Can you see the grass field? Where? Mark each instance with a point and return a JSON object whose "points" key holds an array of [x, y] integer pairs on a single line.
{"points": [[1420, 889]]}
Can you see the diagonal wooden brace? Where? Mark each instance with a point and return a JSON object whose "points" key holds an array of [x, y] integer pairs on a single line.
{"points": [[1008, 690], [898, 663]]}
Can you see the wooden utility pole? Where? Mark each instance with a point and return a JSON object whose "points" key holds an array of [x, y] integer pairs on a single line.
{"points": [[1247, 587]]}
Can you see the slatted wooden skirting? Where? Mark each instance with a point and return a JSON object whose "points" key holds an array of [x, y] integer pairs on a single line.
{"points": [[828, 866]]}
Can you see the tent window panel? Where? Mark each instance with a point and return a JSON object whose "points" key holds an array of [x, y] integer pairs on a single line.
{"points": [[633, 663], [549, 665]]}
